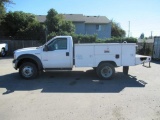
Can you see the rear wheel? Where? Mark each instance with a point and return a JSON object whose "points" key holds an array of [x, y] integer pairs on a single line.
{"points": [[105, 71], [3, 52], [28, 70]]}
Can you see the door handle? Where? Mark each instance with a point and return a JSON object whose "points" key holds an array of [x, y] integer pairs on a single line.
{"points": [[67, 53], [117, 56]]}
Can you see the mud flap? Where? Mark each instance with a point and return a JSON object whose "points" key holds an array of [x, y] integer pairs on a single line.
{"points": [[125, 70]]}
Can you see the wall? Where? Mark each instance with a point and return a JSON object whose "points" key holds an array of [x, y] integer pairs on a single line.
{"points": [[105, 31], [79, 27]]}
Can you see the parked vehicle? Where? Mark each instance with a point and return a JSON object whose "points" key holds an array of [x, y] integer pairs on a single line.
{"points": [[60, 54], [3, 49], [156, 48]]}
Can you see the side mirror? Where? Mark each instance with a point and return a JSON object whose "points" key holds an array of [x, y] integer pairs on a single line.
{"points": [[45, 48]]}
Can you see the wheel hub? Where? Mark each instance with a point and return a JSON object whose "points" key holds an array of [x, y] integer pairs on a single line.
{"points": [[28, 71], [106, 72]]}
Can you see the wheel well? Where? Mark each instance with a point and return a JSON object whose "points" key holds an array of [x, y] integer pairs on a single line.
{"points": [[111, 62], [26, 60], [3, 48]]}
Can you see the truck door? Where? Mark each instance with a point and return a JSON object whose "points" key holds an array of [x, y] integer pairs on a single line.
{"points": [[57, 55]]}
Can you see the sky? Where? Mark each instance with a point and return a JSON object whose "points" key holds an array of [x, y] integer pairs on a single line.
{"points": [[143, 15]]}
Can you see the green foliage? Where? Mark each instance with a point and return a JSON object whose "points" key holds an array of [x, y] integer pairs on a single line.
{"points": [[67, 26], [117, 31], [2, 13], [2, 8], [57, 25], [51, 35], [34, 31], [23, 25], [84, 38], [117, 40], [145, 50], [52, 21], [5, 1], [16, 21], [142, 36]]}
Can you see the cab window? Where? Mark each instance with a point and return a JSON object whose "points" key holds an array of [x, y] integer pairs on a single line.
{"points": [[58, 44]]}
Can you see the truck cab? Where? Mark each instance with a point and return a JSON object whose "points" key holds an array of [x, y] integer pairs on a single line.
{"points": [[58, 53]]}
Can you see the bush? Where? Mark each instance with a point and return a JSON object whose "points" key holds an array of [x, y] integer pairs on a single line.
{"points": [[117, 40], [84, 38], [92, 38]]}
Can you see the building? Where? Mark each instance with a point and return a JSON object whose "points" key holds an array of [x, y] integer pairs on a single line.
{"points": [[87, 25]]}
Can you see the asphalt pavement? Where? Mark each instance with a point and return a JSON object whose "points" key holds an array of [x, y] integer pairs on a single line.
{"points": [[80, 95]]}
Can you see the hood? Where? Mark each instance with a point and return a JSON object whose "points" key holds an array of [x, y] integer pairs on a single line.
{"points": [[28, 50]]}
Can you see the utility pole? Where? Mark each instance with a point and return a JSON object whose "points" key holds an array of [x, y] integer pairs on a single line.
{"points": [[129, 29]]}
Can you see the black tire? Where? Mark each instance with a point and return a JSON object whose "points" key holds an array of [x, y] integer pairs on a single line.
{"points": [[28, 70], [105, 71], [3, 52]]}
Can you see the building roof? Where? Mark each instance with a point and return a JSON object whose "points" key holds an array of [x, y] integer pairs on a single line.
{"points": [[41, 18], [96, 19], [79, 18], [74, 17]]}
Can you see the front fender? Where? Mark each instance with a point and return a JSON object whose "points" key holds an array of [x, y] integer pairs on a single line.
{"points": [[29, 58]]}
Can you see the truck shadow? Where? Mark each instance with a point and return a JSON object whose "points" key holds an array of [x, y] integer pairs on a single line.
{"points": [[69, 82]]}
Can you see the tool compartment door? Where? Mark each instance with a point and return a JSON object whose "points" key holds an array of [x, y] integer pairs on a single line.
{"points": [[84, 55], [128, 54]]}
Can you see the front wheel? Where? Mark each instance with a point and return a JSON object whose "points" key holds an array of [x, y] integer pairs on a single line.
{"points": [[28, 70], [105, 71]]}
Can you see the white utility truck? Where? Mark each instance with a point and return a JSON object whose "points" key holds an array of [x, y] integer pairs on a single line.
{"points": [[3, 49], [61, 54]]}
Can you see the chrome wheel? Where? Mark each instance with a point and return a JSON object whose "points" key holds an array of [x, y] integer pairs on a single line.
{"points": [[27, 71], [106, 72]]}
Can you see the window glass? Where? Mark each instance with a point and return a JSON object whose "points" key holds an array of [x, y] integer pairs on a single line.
{"points": [[98, 27], [58, 44]]}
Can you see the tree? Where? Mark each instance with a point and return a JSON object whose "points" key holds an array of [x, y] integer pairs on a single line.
{"points": [[67, 26], [16, 21], [142, 36], [22, 25], [2, 8], [52, 21], [34, 31], [57, 25], [117, 31]]}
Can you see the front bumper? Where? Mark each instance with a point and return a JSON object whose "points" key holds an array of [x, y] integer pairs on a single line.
{"points": [[15, 63]]}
